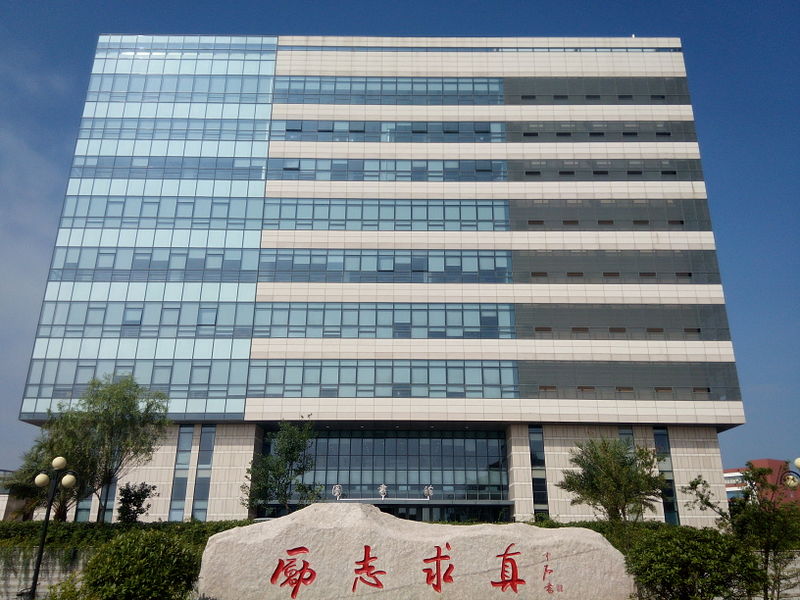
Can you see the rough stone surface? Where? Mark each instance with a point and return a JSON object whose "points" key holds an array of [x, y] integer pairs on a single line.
{"points": [[566, 564]]}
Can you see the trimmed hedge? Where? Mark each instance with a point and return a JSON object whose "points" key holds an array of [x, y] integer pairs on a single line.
{"points": [[87, 536]]}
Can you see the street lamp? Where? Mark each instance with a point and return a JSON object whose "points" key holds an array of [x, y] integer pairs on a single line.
{"points": [[791, 479], [67, 480]]}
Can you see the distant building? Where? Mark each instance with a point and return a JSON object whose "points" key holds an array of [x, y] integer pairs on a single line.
{"points": [[734, 482]]}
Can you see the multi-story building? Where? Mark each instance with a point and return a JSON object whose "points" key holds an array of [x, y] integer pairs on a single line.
{"points": [[459, 256]]}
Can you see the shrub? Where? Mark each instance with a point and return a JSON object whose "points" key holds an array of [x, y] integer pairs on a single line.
{"points": [[684, 563], [141, 565], [69, 589], [132, 499]]}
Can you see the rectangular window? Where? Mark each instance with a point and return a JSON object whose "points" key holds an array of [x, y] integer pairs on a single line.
{"points": [[202, 482], [181, 474], [538, 472]]}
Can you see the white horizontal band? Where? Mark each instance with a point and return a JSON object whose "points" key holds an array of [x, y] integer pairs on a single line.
{"points": [[512, 293], [478, 64], [494, 112], [480, 42], [485, 190], [505, 410], [490, 240], [484, 151], [492, 349]]}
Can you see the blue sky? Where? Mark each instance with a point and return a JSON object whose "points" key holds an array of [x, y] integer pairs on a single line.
{"points": [[742, 59]]}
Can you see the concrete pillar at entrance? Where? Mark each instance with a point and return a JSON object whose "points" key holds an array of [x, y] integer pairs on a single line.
{"points": [[520, 485]]}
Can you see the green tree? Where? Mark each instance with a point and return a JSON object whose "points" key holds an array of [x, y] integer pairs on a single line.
{"points": [[616, 479], [276, 477], [38, 459], [762, 522], [116, 425], [132, 500], [685, 563]]}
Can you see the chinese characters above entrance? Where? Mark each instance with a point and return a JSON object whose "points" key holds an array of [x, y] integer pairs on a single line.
{"points": [[350, 550]]}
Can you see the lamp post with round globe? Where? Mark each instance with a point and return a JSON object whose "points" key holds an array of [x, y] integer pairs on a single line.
{"points": [[60, 477], [790, 478]]}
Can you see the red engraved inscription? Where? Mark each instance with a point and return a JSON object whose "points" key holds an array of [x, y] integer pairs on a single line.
{"points": [[509, 573], [294, 575], [366, 572], [434, 576]]}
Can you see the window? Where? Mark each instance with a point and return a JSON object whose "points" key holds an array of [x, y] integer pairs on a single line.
{"points": [[569, 222], [691, 330], [533, 173], [542, 329], [641, 222], [617, 329], [600, 173], [132, 316], [586, 388], [605, 222], [675, 222], [575, 274], [655, 330], [535, 222], [580, 330], [207, 316], [539, 274], [611, 274], [683, 274]]}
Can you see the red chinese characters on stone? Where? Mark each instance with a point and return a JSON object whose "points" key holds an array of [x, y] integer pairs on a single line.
{"points": [[509, 572], [549, 587], [293, 575], [434, 576], [366, 572]]}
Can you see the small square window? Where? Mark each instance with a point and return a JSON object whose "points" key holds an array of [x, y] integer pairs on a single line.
{"points": [[605, 222], [528, 97], [701, 390], [530, 134], [575, 274], [563, 134], [683, 274], [539, 274], [570, 222], [655, 330], [533, 173], [580, 330], [599, 172], [543, 329], [565, 173], [547, 388], [634, 172], [663, 390], [624, 389], [675, 222], [663, 133], [535, 222], [630, 133], [669, 172], [691, 330], [596, 133], [610, 274], [617, 330], [586, 388]]}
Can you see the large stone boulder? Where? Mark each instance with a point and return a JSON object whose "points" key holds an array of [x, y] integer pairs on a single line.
{"points": [[348, 550]]}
